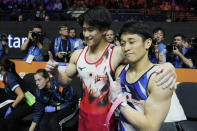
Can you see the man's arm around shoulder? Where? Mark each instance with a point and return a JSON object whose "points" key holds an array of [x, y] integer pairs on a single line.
{"points": [[155, 109]]}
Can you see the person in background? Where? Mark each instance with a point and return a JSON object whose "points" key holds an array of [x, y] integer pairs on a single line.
{"points": [[76, 43], [36, 45], [53, 102], [184, 56], [111, 38], [47, 18], [11, 115], [61, 46], [3, 44], [159, 48]]}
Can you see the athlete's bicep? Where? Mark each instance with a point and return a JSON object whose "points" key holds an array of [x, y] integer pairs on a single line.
{"points": [[117, 57], [71, 68], [119, 70], [158, 103]]}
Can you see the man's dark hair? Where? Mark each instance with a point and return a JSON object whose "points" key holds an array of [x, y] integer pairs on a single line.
{"points": [[159, 29], [141, 29], [98, 17], [179, 35], [72, 28], [63, 26], [37, 26], [43, 73]]}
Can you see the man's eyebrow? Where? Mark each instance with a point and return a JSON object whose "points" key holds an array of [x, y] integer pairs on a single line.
{"points": [[131, 39], [89, 27]]}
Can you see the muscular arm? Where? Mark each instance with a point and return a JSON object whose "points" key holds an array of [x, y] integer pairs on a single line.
{"points": [[186, 60], [64, 78], [117, 57], [20, 95], [155, 109]]}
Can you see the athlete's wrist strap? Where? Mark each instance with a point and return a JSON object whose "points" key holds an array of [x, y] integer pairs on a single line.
{"points": [[112, 109]]}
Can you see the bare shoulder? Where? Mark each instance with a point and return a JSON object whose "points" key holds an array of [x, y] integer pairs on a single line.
{"points": [[158, 91], [75, 56], [119, 70], [117, 57]]}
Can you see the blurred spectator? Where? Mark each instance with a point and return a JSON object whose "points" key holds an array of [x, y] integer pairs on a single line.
{"points": [[11, 115], [111, 38], [36, 45], [3, 44], [20, 17], [49, 6], [61, 47], [57, 5], [183, 55], [76, 43], [159, 47], [47, 18], [40, 14], [165, 6]]}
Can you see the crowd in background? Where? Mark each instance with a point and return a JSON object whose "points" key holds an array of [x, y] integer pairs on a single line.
{"points": [[49, 5], [38, 45], [38, 9], [181, 51]]}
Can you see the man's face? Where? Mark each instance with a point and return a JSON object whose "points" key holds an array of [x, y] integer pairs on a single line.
{"points": [[72, 33], [178, 41], [159, 36], [110, 36], [20, 18], [47, 18], [37, 30], [92, 35], [133, 47], [63, 31]]}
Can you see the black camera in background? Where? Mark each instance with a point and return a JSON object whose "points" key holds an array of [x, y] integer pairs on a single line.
{"points": [[21, 29]]}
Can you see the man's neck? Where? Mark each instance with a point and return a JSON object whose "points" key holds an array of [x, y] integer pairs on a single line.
{"points": [[98, 48], [139, 68], [63, 37]]}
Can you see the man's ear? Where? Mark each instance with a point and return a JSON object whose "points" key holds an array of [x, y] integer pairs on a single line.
{"points": [[148, 43]]}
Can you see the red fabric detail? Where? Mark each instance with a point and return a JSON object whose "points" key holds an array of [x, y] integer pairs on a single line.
{"points": [[79, 55], [99, 58], [127, 97], [94, 107], [110, 60], [99, 62], [90, 74], [94, 122]]}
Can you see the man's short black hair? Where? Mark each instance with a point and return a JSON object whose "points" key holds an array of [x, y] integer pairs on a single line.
{"points": [[97, 16], [180, 35], [139, 28], [63, 26], [37, 26], [159, 29], [72, 28]]}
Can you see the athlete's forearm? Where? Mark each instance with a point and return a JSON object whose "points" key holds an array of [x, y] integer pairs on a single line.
{"points": [[138, 120]]}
